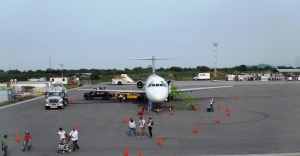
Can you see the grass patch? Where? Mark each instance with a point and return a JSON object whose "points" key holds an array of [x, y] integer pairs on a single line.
{"points": [[18, 100]]}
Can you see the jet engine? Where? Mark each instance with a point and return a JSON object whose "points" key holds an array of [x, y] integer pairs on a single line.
{"points": [[139, 84]]}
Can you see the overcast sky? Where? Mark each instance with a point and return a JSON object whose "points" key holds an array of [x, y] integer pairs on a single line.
{"points": [[104, 34]]}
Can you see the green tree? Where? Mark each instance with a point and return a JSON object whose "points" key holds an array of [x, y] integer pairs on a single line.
{"points": [[94, 76], [176, 69], [202, 69], [242, 68]]}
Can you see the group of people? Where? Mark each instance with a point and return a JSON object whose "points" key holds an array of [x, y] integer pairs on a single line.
{"points": [[142, 127], [73, 136], [27, 143]]}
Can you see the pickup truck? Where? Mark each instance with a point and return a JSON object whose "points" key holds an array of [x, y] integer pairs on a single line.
{"points": [[98, 94]]}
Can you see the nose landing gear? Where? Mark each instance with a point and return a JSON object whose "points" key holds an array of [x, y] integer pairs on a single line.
{"points": [[157, 108]]}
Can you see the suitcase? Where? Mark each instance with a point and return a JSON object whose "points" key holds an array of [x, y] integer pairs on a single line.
{"points": [[208, 109]]}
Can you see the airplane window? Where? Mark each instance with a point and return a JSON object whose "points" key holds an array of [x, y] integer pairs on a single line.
{"points": [[160, 84], [157, 84], [153, 84]]}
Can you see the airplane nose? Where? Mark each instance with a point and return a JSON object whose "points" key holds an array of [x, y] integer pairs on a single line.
{"points": [[159, 97]]}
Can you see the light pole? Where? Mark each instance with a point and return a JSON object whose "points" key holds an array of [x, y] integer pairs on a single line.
{"points": [[62, 70]]}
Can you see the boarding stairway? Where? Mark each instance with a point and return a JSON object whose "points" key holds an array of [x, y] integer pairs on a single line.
{"points": [[181, 100]]}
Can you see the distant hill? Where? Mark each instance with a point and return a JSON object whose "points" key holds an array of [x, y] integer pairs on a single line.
{"points": [[260, 66]]}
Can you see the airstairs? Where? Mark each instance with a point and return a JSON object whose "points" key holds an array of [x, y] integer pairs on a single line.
{"points": [[181, 100]]}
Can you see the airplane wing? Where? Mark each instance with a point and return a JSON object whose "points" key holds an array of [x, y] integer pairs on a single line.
{"points": [[201, 88], [111, 90]]}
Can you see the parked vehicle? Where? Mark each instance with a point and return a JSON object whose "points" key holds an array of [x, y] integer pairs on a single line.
{"points": [[98, 94], [202, 76]]}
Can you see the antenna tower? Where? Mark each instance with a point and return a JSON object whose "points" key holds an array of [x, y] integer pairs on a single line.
{"points": [[215, 58]]}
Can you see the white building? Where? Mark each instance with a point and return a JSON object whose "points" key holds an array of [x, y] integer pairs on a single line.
{"points": [[39, 86]]}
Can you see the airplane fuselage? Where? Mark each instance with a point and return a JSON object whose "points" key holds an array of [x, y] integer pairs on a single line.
{"points": [[156, 89]]}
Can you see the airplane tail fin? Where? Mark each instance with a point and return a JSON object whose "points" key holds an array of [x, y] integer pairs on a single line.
{"points": [[153, 61]]}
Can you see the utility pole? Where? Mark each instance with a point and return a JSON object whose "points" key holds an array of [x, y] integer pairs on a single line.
{"points": [[215, 58]]}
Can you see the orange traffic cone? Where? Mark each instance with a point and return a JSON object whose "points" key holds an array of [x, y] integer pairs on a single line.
{"points": [[227, 109], [171, 112], [236, 97], [71, 100], [125, 120], [75, 126], [17, 138], [228, 113], [159, 141], [219, 106], [218, 119], [140, 154], [126, 152], [196, 129], [196, 108]]}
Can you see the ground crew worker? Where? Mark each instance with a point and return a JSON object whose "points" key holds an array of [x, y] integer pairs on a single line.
{"points": [[125, 98], [211, 104], [149, 107], [120, 98]]}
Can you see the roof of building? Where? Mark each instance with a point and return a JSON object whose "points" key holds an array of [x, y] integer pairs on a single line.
{"points": [[288, 70], [33, 82]]}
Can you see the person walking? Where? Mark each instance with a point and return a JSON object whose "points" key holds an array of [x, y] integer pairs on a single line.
{"points": [[61, 133], [27, 139], [5, 145], [74, 137], [149, 107], [211, 104], [142, 126], [132, 127], [150, 126]]}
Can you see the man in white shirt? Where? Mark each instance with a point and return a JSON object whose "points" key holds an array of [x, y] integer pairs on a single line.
{"points": [[211, 104], [74, 137], [142, 126], [61, 133], [132, 127]]}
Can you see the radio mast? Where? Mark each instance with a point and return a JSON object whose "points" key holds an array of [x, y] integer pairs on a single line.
{"points": [[215, 58]]}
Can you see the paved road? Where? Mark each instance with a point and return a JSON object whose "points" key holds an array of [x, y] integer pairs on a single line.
{"points": [[264, 120]]}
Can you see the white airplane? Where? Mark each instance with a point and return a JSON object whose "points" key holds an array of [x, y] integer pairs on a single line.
{"points": [[157, 89]]}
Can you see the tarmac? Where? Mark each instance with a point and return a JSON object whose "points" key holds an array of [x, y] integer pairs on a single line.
{"points": [[264, 120]]}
